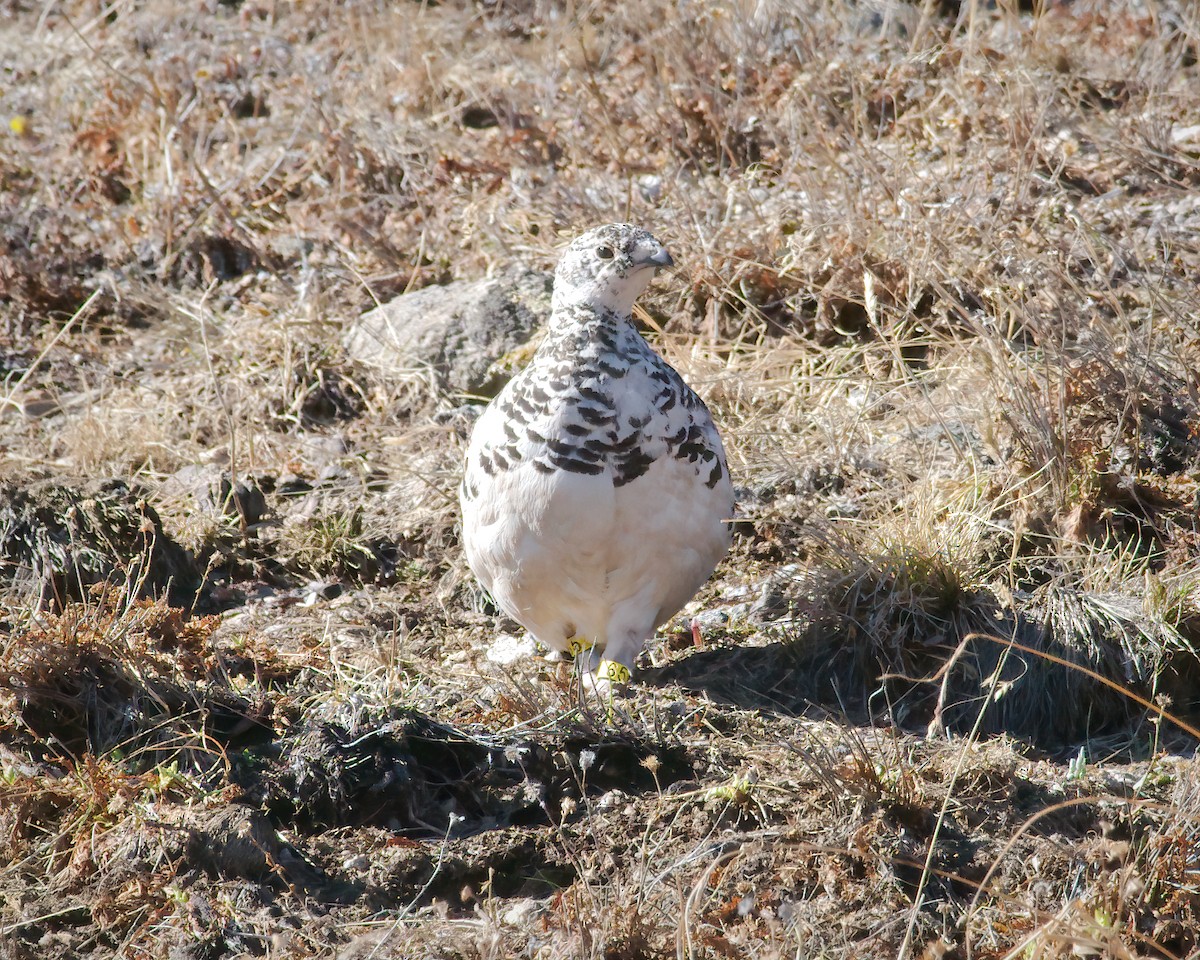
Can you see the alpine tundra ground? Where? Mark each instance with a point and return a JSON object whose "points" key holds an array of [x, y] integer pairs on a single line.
{"points": [[937, 281]]}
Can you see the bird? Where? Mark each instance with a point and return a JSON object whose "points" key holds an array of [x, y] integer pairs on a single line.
{"points": [[596, 496]]}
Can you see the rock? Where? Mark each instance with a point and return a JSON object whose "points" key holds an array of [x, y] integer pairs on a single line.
{"points": [[719, 619], [780, 591], [322, 449], [321, 590], [650, 186], [1187, 138], [611, 799], [211, 489], [459, 331], [522, 912], [507, 649]]}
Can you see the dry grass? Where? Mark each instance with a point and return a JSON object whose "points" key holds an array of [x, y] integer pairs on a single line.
{"points": [[937, 282]]}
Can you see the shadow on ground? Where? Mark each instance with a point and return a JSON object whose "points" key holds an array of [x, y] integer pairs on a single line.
{"points": [[1054, 672]]}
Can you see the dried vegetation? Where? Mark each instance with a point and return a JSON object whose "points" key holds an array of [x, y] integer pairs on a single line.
{"points": [[938, 283]]}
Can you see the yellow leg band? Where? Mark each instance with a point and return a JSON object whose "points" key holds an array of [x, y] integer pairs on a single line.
{"points": [[613, 671], [576, 645]]}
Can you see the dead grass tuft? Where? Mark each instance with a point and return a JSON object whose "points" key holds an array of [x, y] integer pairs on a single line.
{"points": [[59, 539], [124, 679]]}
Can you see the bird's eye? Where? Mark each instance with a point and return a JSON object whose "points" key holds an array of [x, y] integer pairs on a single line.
{"points": [[604, 252]]}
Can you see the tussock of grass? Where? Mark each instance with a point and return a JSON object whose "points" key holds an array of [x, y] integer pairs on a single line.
{"points": [[58, 539], [137, 680]]}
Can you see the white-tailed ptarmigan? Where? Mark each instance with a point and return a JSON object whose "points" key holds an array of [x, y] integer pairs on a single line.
{"points": [[596, 497]]}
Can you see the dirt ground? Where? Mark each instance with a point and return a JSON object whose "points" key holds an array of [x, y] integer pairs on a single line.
{"points": [[937, 280]]}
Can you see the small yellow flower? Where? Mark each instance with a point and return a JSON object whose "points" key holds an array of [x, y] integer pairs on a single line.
{"points": [[19, 125]]}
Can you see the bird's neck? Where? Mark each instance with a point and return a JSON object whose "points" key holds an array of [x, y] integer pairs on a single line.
{"points": [[615, 298], [579, 326]]}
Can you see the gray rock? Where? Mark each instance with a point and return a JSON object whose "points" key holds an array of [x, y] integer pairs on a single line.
{"points": [[318, 590], [460, 331], [780, 591], [212, 490]]}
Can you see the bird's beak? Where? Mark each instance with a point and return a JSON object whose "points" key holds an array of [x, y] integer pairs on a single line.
{"points": [[652, 254]]}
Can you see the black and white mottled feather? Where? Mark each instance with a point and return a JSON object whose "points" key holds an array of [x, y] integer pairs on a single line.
{"points": [[596, 495]]}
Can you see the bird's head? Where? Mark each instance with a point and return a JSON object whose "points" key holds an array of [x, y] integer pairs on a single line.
{"points": [[608, 267]]}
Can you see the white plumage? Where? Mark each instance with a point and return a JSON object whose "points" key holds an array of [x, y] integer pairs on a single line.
{"points": [[595, 495]]}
